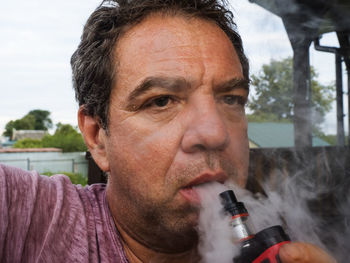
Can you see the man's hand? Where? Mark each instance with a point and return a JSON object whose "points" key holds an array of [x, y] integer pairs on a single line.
{"points": [[304, 253]]}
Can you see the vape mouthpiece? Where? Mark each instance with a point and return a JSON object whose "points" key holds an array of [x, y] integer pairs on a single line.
{"points": [[231, 205], [228, 197]]}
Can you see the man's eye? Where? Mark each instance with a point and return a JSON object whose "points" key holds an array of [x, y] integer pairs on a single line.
{"points": [[161, 101], [233, 99]]}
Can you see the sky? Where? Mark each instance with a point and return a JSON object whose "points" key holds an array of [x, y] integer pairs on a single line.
{"points": [[37, 39]]}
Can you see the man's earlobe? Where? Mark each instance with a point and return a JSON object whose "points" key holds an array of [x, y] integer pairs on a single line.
{"points": [[94, 137]]}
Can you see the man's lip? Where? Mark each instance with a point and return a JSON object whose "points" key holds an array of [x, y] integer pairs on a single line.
{"points": [[208, 177], [191, 194]]}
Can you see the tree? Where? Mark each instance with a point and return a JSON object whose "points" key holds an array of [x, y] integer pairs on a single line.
{"points": [[66, 138], [42, 119], [273, 96], [33, 120]]}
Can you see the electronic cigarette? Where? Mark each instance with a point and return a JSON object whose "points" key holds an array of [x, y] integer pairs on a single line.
{"points": [[261, 247]]}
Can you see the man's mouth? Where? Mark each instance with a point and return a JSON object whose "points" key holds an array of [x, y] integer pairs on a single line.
{"points": [[190, 193]]}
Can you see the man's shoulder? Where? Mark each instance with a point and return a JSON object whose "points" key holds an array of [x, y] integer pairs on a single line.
{"points": [[33, 187], [40, 211], [19, 183], [9, 172], [15, 179]]}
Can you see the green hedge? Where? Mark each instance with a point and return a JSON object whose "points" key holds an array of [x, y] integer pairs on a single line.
{"points": [[76, 178], [66, 138], [28, 143]]}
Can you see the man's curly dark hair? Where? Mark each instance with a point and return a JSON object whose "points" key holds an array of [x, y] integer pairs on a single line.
{"points": [[94, 63]]}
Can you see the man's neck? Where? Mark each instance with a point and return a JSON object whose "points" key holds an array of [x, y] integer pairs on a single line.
{"points": [[138, 253]]}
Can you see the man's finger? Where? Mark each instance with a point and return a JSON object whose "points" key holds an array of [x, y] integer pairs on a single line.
{"points": [[304, 253]]}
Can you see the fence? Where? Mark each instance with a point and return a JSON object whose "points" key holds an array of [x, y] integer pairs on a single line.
{"points": [[47, 161]]}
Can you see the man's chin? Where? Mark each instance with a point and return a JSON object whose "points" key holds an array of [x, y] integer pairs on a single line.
{"points": [[181, 226], [181, 241]]}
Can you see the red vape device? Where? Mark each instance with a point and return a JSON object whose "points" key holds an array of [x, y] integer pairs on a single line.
{"points": [[262, 247]]}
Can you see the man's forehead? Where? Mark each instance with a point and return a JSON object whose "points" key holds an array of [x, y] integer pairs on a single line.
{"points": [[159, 21], [158, 33]]}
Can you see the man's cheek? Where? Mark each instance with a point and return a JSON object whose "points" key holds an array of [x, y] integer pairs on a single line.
{"points": [[159, 146], [238, 161]]}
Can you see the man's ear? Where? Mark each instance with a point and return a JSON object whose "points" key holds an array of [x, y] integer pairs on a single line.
{"points": [[94, 137]]}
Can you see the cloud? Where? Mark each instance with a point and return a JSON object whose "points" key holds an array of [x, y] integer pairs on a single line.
{"points": [[263, 34], [37, 40]]}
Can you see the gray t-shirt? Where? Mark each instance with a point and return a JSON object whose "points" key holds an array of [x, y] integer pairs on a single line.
{"points": [[48, 219]]}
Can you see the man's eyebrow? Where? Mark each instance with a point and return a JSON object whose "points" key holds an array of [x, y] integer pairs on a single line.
{"points": [[233, 84], [169, 83]]}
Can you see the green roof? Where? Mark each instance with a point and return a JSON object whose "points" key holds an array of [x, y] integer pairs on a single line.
{"points": [[274, 134]]}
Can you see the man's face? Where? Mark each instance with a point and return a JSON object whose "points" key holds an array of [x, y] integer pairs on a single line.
{"points": [[177, 120]]}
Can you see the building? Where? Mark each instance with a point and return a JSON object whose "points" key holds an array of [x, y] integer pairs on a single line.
{"points": [[275, 135], [24, 134]]}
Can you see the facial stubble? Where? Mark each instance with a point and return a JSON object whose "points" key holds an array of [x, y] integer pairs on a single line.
{"points": [[167, 226]]}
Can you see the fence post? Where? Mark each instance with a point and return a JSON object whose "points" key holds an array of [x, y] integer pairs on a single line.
{"points": [[73, 164], [28, 164]]}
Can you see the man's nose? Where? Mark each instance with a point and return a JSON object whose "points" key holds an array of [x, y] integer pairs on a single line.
{"points": [[206, 129]]}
